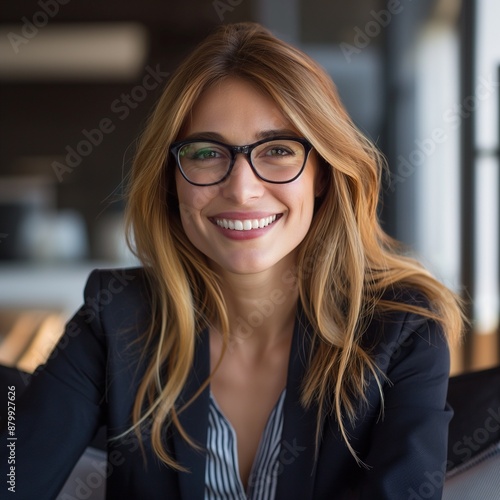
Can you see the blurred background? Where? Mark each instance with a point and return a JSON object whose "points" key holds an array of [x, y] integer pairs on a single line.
{"points": [[78, 80]]}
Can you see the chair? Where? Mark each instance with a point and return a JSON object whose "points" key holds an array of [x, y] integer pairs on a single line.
{"points": [[473, 468]]}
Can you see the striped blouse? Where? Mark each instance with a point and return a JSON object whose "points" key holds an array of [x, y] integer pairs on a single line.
{"points": [[222, 477]]}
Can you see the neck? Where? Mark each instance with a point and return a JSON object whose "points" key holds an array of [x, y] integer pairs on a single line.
{"points": [[261, 308]]}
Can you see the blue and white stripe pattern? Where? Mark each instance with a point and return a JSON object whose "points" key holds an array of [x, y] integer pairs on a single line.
{"points": [[222, 478]]}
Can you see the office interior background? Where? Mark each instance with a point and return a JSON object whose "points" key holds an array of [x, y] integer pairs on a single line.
{"points": [[78, 80]]}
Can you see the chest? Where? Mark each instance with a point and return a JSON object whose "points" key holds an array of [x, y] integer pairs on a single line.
{"points": [[246, 396]]}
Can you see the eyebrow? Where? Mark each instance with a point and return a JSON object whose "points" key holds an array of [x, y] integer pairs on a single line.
{"points": [[263, 134]]}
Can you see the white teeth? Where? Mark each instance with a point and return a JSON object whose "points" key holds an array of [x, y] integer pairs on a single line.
{"points": [[247, 224]]}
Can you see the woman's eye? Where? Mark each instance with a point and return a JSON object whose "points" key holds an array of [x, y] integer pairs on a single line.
{"points": [[279, 151], [201, 152], [206, 154]]}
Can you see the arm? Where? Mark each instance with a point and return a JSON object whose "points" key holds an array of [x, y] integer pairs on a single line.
{"points": [[408, 447], [61, 409]]}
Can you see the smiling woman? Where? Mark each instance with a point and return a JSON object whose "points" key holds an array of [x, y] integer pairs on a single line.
{"points": [[273, 345]]}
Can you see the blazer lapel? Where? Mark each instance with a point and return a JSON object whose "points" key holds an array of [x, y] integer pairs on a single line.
{"points": [[297, 467], [194, 420]]}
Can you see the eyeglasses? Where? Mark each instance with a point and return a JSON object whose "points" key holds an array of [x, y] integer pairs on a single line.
{"points": [[205, 163]]}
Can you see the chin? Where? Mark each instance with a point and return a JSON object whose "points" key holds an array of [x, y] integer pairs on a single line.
{"points": [[243, 265]]}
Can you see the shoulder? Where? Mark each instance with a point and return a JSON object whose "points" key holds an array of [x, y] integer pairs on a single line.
{"points": [[116, 299], [401, 310], [119, 286], [117, 279], [394, 335]]}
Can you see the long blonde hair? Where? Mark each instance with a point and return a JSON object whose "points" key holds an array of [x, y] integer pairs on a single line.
{"points": [[341, 281]]}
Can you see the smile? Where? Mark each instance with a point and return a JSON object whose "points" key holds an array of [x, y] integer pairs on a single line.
{"points": [[247, 224]]}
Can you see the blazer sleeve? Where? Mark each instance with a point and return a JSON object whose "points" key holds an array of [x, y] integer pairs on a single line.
{"points": [[60, 411], [408, 446]]}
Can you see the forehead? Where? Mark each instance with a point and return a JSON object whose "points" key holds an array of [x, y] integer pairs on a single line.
{"points": [[237, 110]]}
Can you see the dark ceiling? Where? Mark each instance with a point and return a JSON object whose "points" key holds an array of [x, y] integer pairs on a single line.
{"points": [[320, 20]]}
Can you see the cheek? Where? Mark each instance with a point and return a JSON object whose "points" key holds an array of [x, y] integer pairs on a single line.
{"points": [[304, 195], [193, 199], [308, 198]]}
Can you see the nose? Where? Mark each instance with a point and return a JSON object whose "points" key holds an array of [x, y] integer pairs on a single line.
{"points": [[242, 185]]}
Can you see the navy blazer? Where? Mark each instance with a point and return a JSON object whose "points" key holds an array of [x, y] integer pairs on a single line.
{"points": [[93, 373]]}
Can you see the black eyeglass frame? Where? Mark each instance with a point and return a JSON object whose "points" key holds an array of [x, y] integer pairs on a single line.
{"points": [[175, 148]]}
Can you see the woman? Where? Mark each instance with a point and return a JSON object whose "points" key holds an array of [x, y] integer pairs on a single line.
{"points": [[274, 344]]}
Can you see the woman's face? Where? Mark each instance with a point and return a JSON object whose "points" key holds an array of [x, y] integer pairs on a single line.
{"points": [[237, 113]]}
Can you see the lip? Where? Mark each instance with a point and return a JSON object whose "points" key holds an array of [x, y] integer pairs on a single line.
{"points": [[245, 216]]}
